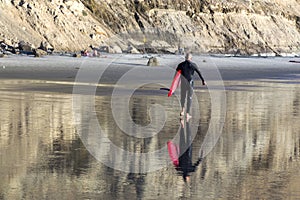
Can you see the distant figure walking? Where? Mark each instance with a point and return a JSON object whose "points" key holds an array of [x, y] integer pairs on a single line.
{"points": [[187, 83]]}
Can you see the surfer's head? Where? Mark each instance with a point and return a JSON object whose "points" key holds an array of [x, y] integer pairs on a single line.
{"points": [[188, 56]]}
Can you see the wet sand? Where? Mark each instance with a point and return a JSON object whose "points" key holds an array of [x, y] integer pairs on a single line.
{"points": [[42, 156], [57, 73], [58, 68]]}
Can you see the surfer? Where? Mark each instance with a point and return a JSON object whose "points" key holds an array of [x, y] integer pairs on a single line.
{"points": [[187, 71]]}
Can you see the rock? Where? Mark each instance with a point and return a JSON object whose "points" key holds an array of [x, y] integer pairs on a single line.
{"points": [[76, 55], [25, 46], [46, 46], [93, 36], [3, 45], [114, 49], [9, 48], [23, 3], [170, 50], [8, 42], [234, 51], [152, 62], [39, 52], [134, 51], [8, 53], [104, 49], [131, 49], [15, 51]]}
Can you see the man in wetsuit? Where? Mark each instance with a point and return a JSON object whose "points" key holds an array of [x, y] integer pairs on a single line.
{"points": [[187, 71]]}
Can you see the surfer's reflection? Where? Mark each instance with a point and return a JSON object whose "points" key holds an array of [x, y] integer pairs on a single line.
{"points": [[181, 154]]}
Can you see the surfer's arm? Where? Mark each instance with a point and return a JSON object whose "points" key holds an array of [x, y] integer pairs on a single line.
{"points": [[177, 70], [199, 73]]}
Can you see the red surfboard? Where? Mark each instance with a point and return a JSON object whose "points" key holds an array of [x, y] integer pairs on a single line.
{"points": [[173, 153], [175, 83]]}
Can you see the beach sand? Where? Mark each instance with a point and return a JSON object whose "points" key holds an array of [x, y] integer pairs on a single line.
{"points": [[255, 156], [58, 73]]}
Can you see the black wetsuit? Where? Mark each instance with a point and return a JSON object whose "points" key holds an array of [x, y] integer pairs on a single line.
{"points": [[187, 71]]}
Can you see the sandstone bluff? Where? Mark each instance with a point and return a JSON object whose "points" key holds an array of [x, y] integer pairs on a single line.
{"points": [[206, 26]]}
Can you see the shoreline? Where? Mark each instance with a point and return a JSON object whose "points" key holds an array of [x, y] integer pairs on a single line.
{"points": [[65, 69]]}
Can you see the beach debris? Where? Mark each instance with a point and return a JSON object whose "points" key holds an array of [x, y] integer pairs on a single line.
{"points": [[152, 62]]}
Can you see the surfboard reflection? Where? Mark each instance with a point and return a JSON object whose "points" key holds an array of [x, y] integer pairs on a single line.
{"points": [[181, 154]]}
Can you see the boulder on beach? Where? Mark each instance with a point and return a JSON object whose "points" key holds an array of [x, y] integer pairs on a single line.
{"points": [[152, 62], [39, 52], [46, 46], [25, 46]]}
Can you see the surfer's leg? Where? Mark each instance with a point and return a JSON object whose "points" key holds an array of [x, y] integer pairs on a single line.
{"points": [[182, 109], [182, 98], [189, 99]]}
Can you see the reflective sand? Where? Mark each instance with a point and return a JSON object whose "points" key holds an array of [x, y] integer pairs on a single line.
{"points": [[256, 157]]}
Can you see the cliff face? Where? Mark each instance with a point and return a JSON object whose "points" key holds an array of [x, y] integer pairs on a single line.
{"points": [[66, 25], [204, 25]]}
